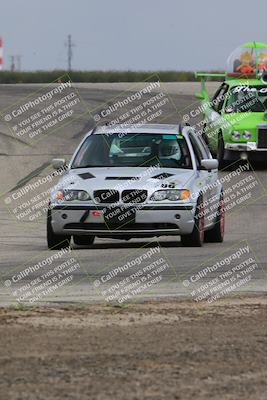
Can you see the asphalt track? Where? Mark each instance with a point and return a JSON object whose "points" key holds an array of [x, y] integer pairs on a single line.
{"points": [[21, 242]]}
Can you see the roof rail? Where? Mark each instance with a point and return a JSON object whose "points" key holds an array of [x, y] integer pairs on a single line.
{"points": [[181, 126], [94, 129]]}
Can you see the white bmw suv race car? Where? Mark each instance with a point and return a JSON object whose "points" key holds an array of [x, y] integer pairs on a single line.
{"points": [[137, 181]]}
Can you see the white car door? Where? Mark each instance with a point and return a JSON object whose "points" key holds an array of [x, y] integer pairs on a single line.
{"points": [[206, 179], [213, 184]]}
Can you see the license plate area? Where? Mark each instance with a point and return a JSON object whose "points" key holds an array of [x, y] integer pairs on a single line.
{"points": [[116, 217]]}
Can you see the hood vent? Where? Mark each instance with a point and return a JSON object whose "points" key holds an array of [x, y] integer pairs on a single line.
{"points": [[122, 178], [86, 175], [163, 175]]}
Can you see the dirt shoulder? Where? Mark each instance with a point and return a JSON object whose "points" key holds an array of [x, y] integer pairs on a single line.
{"points": [[156, 350]]}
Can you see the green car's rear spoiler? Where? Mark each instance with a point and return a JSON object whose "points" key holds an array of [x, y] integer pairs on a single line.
{"points": [[203, 77], [210, 75]]}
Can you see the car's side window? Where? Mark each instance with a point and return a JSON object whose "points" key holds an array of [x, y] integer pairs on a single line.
{"points": [[219, 98], [217, 93], [204, 148]]}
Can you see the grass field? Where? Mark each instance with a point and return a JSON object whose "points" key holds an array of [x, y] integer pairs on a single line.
{"points": [[95, 76]]}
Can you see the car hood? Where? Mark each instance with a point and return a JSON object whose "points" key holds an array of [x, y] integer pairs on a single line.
{"points": [[245, 121], [91, 179]]}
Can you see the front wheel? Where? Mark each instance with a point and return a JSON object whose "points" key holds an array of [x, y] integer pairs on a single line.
{"points": [[216, 234], [55, 242], [196, 238], [220, 151]]}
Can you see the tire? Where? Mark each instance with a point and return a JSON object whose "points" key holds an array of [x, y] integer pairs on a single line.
{"points": [[216, 234], [83, 240], [55, 242], [196, 238], [220, 151]]}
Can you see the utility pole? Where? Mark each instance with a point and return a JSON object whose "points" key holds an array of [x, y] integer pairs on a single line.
{"points": [[18, 59], [12, 63], [15, 62], [70, 45], [1, 53]]}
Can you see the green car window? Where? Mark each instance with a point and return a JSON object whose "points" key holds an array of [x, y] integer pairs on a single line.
{"points": [[247, 98]]}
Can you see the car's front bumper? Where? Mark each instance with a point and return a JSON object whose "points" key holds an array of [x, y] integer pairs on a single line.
{"points": [[149, 220], [249, 146]]}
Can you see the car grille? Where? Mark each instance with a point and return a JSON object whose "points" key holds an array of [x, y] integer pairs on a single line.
{"points": [[110, 196], [134, 196], [126, 227], [106, 196], [262, 138]]}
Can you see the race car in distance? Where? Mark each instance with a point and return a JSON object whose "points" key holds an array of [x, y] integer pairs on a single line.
{"points": [[137, 181], [235, 119]]}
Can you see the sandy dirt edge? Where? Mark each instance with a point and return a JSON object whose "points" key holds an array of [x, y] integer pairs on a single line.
{"points": [[155, 350]]}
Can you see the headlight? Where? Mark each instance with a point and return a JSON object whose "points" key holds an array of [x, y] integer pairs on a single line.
{"points": [[83, 195], [171, 195], [70, 195], [236, 135], [247, 135], [159, 195]]}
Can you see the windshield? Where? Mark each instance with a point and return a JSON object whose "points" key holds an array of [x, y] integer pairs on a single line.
{"points": [[133, 150], [247, 98]]}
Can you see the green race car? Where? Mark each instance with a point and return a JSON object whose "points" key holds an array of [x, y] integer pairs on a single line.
{"points": [[235, 119]]}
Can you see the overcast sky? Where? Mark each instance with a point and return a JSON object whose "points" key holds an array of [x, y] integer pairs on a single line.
{"points": [[129, 34]]}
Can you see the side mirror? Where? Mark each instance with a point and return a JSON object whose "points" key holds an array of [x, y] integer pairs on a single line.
{"points": [[58, 163], [209, 164], [200, 96]]}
